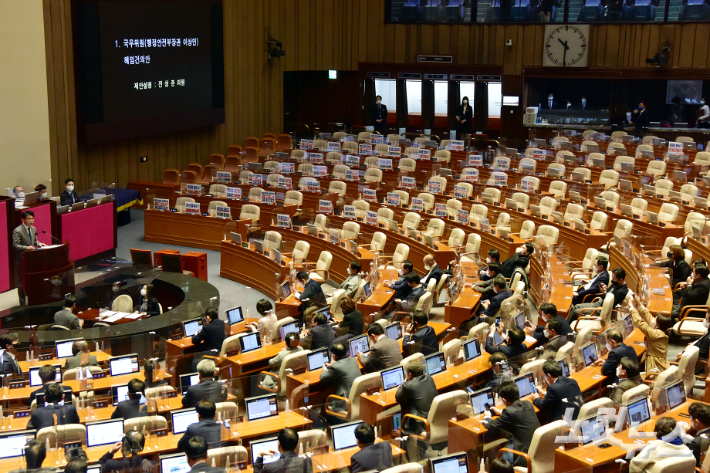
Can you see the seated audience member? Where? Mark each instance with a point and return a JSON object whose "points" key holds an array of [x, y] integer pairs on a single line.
{"points": [[561, 394], [206, 427], [148, 304], [618, 288], [81, 356], [48, 375], [553, 332], [41, 189], [486, 287], [703, 343], [500, 370], [433, 271], [490, 308], [44, 416], [628, 379], [421, 334], [676, 262], [352, 282], [517, 419], [352, 318], [501, 465], [207, 388], [131, 445], [493, 256], [546, 312], [695, 293], [212, 334], [417, 291], [400, 286], [520, 259], [593, 286], [8, 345], [321, 333], [35, 453], [312, 295], [266, 323], [66, 316], [341, 373], [289, 461], [371, 456], [666, 445], [68, 196], [617, 351], [291, 340], [384, 352], [700, 423], [19, 193], [416, 394], [131, 407], [196, 453], [77, 465], [656, 332], [514, 341]]}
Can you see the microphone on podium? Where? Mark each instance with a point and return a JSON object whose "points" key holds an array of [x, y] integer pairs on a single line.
{"points": [[55, 238]]}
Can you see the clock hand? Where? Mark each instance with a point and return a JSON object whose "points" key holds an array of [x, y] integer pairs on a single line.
{"points": [[563, 43], [564, 56]]}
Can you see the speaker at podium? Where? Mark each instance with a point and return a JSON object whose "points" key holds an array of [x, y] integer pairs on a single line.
{"points": [[47, 274]]}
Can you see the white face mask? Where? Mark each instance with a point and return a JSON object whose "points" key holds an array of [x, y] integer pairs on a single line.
{"points": [[608, 346], [43, 196], [144, 292], [70, 188], [618, 370], [706, 324], [489, 260], [702, 102], [550, 99], [401, 273], [427, 267], [547, 333], [628, 116], [350, 271], [379, 102], [20, 195], [584, 100]]}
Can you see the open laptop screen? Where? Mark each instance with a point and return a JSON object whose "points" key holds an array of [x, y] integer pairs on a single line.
{"points": [[261, 407], [344, 436], [393, 377]]}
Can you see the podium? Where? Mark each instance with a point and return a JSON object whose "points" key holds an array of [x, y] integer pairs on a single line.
{"points": [[47, 274]]}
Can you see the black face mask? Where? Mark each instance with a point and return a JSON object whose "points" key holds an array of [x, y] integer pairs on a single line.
{"points": [[669, 254]]}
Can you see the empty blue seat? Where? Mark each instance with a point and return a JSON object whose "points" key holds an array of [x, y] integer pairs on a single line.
{"points": [[694, 10], [521, 11]]}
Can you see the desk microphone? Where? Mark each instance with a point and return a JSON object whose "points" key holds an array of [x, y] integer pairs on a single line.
{"points": [[57, 239]]}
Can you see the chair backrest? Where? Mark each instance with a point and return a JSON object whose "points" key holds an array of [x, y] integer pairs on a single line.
{"points": [[442, 409], [609, 177], [313, 438], [181, 201], [291, 362], [527, 230], [638, 392], [702, 157], [425, 302], [427, 199], [435, 227], [441, 180], [229, 344], [272, 240], [158, 390], [548, 205], [587, 173], [522, 199], [478, 212], [337, 187], [250, 211], [668, 212], [663, 186], [149, 422], [123, 303], [456, 238], [592, 407], [598, 222], [558, 188], [411, 468], [293, 198], [401, 253], [384, 214], [403, 196], [623, 228], [334, 157], [675, 465], [527, 164], [171, 176], [443, 155], [688, 192], [300, 250], [639, 204], [407, 164], [542, 447], [236, 455], [335, 309], [411, 219], [694, 219], [350, 231], [69, 433], [378, 242], [172, 262], [323, 263], [218, 189], [686, 367], [373, 175], [473, 243], [452, 207], [656, 168], [664, 377], [493, 192], [451, 350], [611, 197], [360, 386], [549, 233], [255, 194], [574, 211]]}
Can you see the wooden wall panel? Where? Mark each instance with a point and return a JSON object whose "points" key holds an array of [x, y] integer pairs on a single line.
{"points": [[317, 35]]}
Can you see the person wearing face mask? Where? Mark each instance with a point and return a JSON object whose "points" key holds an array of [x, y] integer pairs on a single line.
{"points": [[493, 256], [703, 115], [69, 197], [692, 294], [486, 287], [41, 189], [500, 370], [211, 335], [700, 423], [8, 348], [401, 288], [19, 193], [417, 291], [352, 282], [617, 351], [628, 379], [582, 105], [433, 270], [514, 344], [641, 119], [550, 103], [553, 332], [592, 286], [490, 307], [676, 262], [379, 116], [546, 313], [562, 393], [520, 259], [618, 288], [148, 304], [656, 332], [421, 334], [464, 116], [668, 443]]}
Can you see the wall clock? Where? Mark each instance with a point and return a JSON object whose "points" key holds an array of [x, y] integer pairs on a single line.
{"points": [[566, 46]]}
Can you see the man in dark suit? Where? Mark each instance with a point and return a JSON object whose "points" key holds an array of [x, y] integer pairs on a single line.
{"points": [[196, 453], [561, 394], [321, 334], [700, 423], [81, 356], [680, 269], [379, 116], [582, 105], [408, 304], [618, 288], [400, 286], [69, 197], [628, 379], [641, 119], [312, 295], [207, 428], [514, 344], [695, 293], [486, 287], [520, 259], [617, 351], [433, 271], [24, 238], [44, 416], [48, 375], [131, 407], [489, 309], [372, 456], [35, 452], [288, 461], [384, 352], [207, 388], [66, 316], [8, 348], [132, 444], [553, 331], [601, 276], [341, 373], [421, 334], [212, 334], [550, 103], [546, 312], [416, 394], [517, 420], [492, 256]]}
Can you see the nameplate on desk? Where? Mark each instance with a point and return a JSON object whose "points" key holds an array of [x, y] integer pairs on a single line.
{"points": [[583, 202], [17, 384], [233, 352], [685, 202], [23, 413], [177, 337], [160, 432], [99, 375], [171, 394], [588, 181], [100, 404], [586, 231], [566, 224], [173, 210], [300, 370], [70, 445], [636, 216], [373, 390], [510, 240], [458, 361], [636, 191], [538, 191], [296, 229], [661, 224], [46, 356], [497, 204], [493, 231], [205, 214]]}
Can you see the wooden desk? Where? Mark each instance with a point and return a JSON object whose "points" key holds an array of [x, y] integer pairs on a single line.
{"points": [[658, 304], [251, 268], [101, 357], [379, 298], [187, 230], [180, 347], [558, 293], [460, 310], [158, 189], [252, 362]]}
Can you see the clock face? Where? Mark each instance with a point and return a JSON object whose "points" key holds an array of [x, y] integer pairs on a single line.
{"points": [[566, 46]]}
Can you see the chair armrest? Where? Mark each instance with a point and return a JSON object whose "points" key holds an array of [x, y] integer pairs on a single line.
{"points": [[427, 431], [690, 319], [270, 375], [591, 297], [327, 273], [337, 413], [650, 378], [693, 308], [516, 452], [591, 310], [676, 286]]}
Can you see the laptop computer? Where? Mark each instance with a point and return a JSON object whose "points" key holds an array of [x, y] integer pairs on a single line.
{"points": [[234, 316], [392, 377], [344, 435], [316, 359], [394, 331], [174, 463], [261, 407], [481, 398], [638, 412], [456, 463], [12, 444], [589, 353], [472, 349], [105, 432], [626, 210], [526, 384], [435, 363], [263, 445], [577, 176]]}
